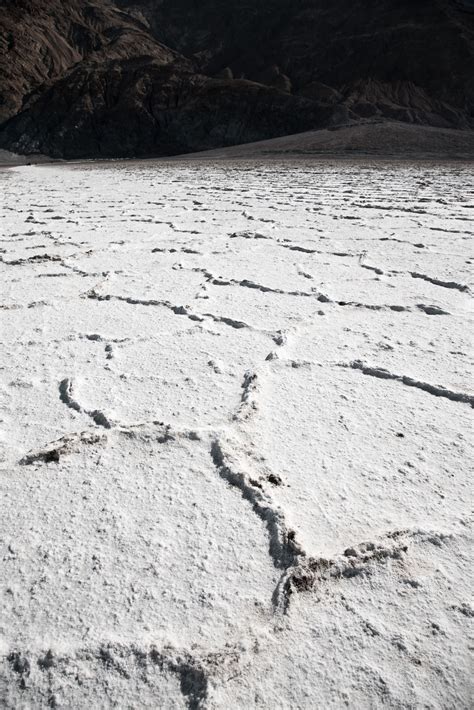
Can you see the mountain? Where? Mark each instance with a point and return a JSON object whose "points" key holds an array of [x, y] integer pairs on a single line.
{"points": [[119, 78]]}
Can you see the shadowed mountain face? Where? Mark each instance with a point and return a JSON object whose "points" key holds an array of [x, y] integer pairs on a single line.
{"points": [[118, 78]]}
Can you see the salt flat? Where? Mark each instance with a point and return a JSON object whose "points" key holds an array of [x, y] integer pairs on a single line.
{"points": [[235, 403]]}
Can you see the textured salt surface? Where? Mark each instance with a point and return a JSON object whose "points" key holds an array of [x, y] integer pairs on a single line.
{"points": [[235, 405]]}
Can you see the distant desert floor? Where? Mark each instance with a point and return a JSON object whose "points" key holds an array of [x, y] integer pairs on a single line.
{"points": [[235, 402]]}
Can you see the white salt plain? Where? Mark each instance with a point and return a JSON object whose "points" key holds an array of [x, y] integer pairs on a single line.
{"points": [[235, 404]]}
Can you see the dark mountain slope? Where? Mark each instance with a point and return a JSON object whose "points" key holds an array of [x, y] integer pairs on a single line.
{"points": [[92, 78], [417, 51], [132, 108], [42, 39]]}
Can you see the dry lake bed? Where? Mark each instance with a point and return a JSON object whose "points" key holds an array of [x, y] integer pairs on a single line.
{"points": [[235, 410]]}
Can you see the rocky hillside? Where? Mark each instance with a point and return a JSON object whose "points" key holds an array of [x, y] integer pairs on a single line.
{"points": [[119, 78]]}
